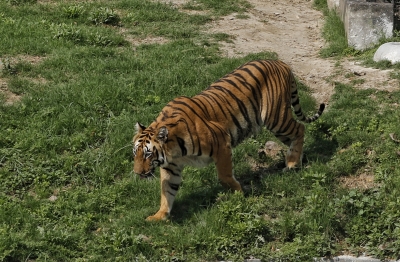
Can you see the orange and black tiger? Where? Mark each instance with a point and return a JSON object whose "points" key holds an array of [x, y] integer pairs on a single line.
{"points": [[203, 129]]}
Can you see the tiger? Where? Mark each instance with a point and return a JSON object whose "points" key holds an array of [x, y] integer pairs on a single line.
{"points": [[205, 128]]}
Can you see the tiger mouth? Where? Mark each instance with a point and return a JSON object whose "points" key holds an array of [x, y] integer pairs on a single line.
{"points": [[147, 175]]}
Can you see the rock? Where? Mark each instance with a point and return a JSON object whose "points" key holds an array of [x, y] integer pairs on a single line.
{"points": [[271, 149], [53, 198], [388, 51]]}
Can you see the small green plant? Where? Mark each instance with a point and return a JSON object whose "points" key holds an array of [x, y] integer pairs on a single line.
{"points": [[223, 37], [152, 99], [242, 16], [74, 11], [96, 39], [104, 15], [6, 20], [8, 67], [395, 75], [68, 32], [80, 36]]}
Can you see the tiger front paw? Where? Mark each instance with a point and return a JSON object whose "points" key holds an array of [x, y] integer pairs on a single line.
{"points": [[159, 216]]}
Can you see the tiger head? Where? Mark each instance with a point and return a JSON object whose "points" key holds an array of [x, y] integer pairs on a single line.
{"points": [[147, 150]]}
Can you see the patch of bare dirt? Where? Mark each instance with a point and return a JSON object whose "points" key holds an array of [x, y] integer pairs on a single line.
{"points": [[7, 64], [10, 97], [135, 41], [362, 181]]}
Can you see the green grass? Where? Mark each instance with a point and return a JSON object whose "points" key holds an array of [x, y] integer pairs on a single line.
{"points": [[67, 190]]}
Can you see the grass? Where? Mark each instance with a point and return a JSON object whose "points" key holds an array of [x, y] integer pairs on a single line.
{"points": [[67, 191]]}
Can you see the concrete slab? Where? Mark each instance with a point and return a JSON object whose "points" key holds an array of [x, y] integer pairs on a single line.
{"points": [[366, 22]]}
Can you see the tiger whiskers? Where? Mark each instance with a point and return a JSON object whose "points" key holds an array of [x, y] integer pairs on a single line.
{"points": [[119, 149]]}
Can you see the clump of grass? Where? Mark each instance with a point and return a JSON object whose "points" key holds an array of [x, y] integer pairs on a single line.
{"points": [[334, 33], [104, 15], [223, 37], [74, 11], [79, 35], [8, 68], [68, 32]]}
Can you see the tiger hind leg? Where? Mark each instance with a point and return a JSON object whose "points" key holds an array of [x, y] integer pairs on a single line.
{"points": [[295, 142]]}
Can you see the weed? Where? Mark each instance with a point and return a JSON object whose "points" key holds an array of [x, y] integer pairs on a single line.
{"points": [[76, 35], [74, 11], [67, 32], [223, 37], [104, 15], [8, 68]]}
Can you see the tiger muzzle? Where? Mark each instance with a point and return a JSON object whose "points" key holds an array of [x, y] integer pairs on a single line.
{"points": [[147, 175]]}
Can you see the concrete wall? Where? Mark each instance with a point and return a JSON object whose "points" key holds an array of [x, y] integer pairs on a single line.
{"points": [[365, 22]]}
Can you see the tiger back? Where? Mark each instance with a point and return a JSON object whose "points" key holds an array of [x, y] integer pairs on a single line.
{"points": [[203, 129]]}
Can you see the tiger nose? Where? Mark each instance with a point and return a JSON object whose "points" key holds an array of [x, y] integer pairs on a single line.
{"points": [[138, 170]]}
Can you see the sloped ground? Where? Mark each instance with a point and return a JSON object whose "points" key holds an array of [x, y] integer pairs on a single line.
{"points": [[292, 29]]}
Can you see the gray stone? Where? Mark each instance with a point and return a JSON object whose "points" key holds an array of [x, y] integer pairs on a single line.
{"points": [[388, 51]]}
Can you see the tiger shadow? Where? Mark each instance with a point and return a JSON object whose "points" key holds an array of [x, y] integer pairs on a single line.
{"points": [[320, 150]]}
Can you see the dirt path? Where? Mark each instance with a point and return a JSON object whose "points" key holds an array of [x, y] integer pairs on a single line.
{"points": [[292, 29]]}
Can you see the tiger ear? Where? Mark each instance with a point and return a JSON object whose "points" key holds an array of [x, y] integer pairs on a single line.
{"points": [[162, 135], [139, 128]]}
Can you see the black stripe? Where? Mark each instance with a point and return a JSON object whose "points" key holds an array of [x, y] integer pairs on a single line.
{"points": [[240, 89], [212, 96], [240, 103], [183, 120], [203, 107], [194, 112], [171, 172], [247, 70], [206, 123], [288, 129], [254, 89], [181, 144], [213, 134], [174, 186], [296, 102], [170, 193], [200, 107]]}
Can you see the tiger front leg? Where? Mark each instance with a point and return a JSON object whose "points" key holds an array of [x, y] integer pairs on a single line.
{"points": [[170, 182], [225, 170]]}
